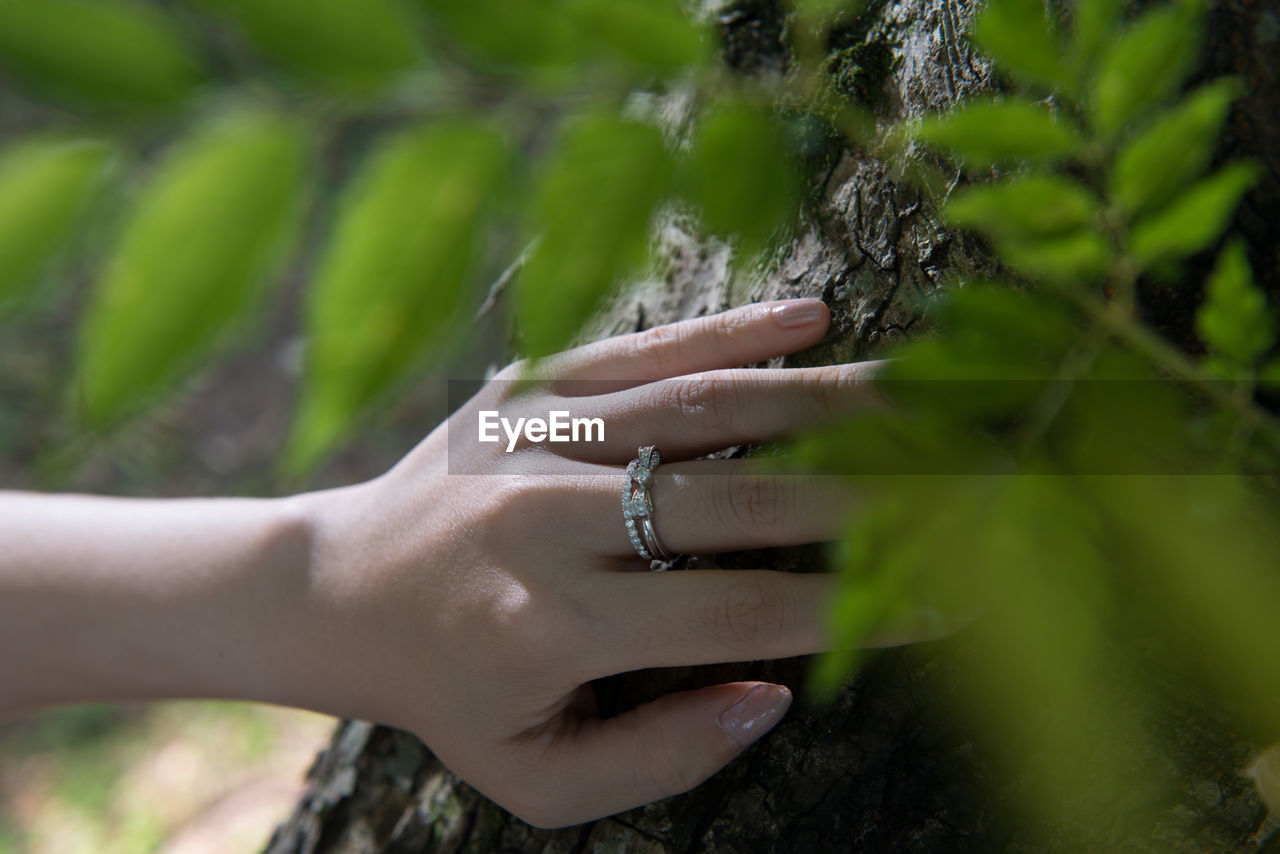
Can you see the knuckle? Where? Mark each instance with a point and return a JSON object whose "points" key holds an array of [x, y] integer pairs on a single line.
{"points": [[752, 611], [660, 350], [704, 401], [836, 388], [731, 327], [752, 502]]}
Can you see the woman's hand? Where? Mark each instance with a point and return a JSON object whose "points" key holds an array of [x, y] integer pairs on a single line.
{"points": [[470, 595]]}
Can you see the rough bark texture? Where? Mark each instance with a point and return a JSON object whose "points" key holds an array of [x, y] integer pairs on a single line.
{"points": [[885, 767]]}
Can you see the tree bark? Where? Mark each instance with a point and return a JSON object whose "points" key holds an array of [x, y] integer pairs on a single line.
{"points": [[885, 767]]}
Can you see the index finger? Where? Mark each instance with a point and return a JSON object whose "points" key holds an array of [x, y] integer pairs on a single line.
{"points": [[729, 339]]}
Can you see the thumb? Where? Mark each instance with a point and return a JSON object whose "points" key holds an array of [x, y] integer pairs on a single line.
{"points": [[662, 748]]}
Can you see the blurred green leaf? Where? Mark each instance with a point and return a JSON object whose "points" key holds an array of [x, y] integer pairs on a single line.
{"points": [[1235, 320], [1011, 129], [1194, 220], [1205, 563], [1121, 418], [213, 222], [1146, 64], [354, 44], [929, 440], [739, 177], [392, 284], [1031, 206], [105, 53], [882, 557], [993, 353], [988, 331], [1039, 666], [1080, 257], [866, 592], [594, 203], [1269, 375], [531, 35], [1016, 35], [1174, 150], [648, 35], [1095, 24], [45, 186]]}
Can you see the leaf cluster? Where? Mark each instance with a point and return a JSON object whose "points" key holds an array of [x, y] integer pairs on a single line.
{"points": [[1048, 462], [193, 144]]}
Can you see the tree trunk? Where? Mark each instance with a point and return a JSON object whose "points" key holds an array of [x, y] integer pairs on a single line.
{"points": [[885, 767]]}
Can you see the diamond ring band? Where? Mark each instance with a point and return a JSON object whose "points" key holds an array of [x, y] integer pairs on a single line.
{"points": [[637, 505]]}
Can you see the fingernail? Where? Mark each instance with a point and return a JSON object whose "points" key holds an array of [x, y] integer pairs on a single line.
{"points": [[796, 314], [755, 714]]}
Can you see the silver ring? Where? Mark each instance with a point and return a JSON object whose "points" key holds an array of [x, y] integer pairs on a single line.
{"points": [[637, 505]]}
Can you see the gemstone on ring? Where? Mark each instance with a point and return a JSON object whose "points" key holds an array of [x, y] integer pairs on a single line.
{"points": [[637, 505]]}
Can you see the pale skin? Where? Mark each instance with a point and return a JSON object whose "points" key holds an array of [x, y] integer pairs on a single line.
{"points": [[471, 609]]}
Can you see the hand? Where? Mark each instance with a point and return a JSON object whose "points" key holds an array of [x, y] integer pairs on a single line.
{"points": [[474, 608]]}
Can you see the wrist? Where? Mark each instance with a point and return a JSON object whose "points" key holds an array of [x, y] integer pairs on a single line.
{"points": [[267, 619], [325, 619]]}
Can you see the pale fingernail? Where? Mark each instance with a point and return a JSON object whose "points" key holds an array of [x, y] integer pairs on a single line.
{"points": [[796, 314], [755, 714]]}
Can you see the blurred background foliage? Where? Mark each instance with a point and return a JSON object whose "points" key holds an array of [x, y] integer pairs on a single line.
{"points": [[188, 142], [390, 165], [173, 778], [1101, 504]]}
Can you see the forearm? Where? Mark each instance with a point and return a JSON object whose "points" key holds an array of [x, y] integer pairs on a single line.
{"points": [[119, 599]]}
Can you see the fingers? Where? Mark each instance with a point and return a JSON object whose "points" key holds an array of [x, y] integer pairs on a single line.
{"points": [[709, 506], [693, 415], [658, 750], [726, 340], [676, 619]]}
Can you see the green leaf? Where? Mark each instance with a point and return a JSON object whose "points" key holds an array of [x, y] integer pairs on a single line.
{"points": [[925, 443], [739, 177], [210, 226], [1043, 225], [1027, 207], [355, 44], [1269, 375], [988, 332], [106, 53], [648, 35], [870, 586], [1174, 150], [44, 188], [1146, 64], [1012, 129], [1221, 623], [1235, 320], [593, 206], [391, 287], [526, 36], [1095, 24], [1083, 256], [1016, 35], [1195, 219], [1042, 668]]}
